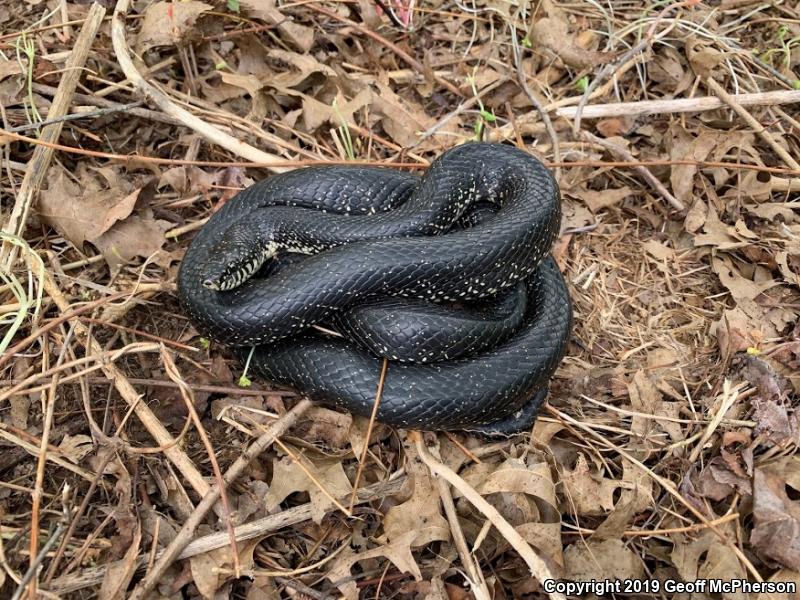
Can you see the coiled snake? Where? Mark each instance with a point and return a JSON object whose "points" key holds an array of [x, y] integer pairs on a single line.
{"points": [[471, 310]]}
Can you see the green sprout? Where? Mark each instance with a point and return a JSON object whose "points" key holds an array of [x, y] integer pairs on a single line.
{"points": [[244, 380], [28, 300], [484, 116], [24, 45], [205, 343], [786, 45], [582, 84], [233, 5]]}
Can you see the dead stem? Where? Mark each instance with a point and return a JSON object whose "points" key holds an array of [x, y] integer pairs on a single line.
{"points": [[537, 566], [373, 415], [188, 397]]}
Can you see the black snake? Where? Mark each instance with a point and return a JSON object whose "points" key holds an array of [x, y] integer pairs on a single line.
{"points": [[395, 261]]}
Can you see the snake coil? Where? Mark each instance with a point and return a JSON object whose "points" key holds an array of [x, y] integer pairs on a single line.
{"points": [[394, 262]]}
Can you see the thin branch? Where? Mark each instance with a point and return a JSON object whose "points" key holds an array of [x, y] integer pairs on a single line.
{"points": [[38, 489], [682, 105], [523, 81], [667, 485], [131, 396], [643, 171], [474, 575], [187, 394], [255, 529], [752, 122], [375, 405], [76, 116], [36, 562], [537, 566]]}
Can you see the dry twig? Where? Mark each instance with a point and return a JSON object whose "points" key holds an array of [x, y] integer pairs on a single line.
{"points": [[752, 122], [679, 105], [537, 566], [642, 170]]}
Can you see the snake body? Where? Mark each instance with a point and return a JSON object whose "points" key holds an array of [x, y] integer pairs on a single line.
{"points": [[387, 253]]}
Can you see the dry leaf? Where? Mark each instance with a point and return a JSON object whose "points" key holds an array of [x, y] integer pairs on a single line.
{"points": [[83, 212], [659, 250], [783, 576], [789, 276], [668, 68], [636, 487], [600, 560], [770, 211], [421, 512], [646, 398], [249, 83], [206, 567], [298, 35], [773, 419], [75, 447], [402, 120], [398, 552], [11, 67], [576, 215], [718, 480], [330, 427], [168, 23], [706, 558], [696, 216], [135, 236], [587, 492], [683, 145], [718, 234], [101, 213], [315, 113], [597, 200], [553, 34], [702, 58], [525, 494], [289, 478], [776, 531], [741, 288], [263, 588], [302, 66], [546, 539], [615, 126], [735, 332]]}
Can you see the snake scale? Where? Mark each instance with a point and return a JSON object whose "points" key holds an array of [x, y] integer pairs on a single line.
{"points": [[472, 313]]}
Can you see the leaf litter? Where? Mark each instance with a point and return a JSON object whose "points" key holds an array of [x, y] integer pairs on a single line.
{"points": [[685, 357]]}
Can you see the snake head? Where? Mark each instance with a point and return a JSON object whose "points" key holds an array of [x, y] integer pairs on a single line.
{"points": [[231, 264]]}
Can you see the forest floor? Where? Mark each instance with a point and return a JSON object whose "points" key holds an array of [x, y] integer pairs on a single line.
{"points": [[668, 449]]}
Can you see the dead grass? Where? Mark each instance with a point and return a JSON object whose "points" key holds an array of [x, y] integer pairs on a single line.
{"points": [[668, 450]]}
